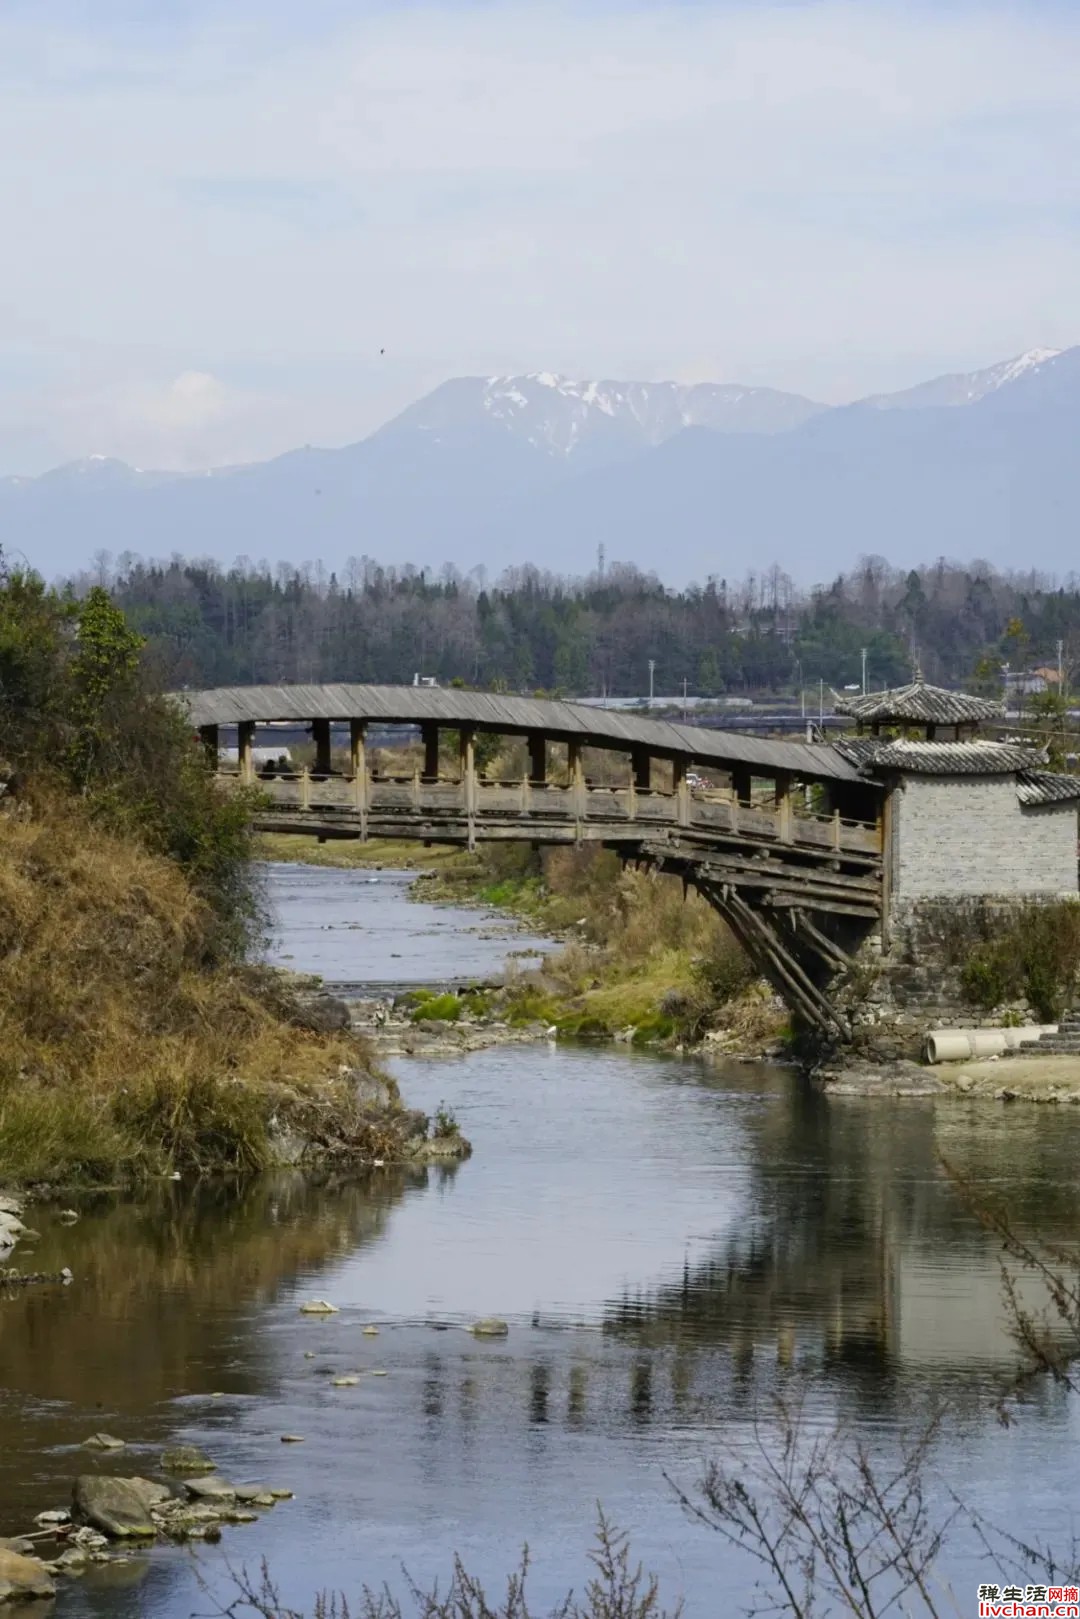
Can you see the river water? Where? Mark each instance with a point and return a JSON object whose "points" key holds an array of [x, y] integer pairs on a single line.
{"points": [[672, 1245]]}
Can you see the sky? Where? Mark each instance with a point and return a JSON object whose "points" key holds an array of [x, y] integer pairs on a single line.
{"points": [[232, 228]]}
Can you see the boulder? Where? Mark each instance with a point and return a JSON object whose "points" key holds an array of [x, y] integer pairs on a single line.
{"points": [[322, 1014], [22, 1578], [120, 1507], [18, 1543], [103, 1441], [489, 1327], [318, 1307], [186, 1459], [210, 1489]]}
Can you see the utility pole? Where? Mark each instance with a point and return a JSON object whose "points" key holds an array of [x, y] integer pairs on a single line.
{"points": [[821, 703], [652, 671], [864, 671], [684, 699]]}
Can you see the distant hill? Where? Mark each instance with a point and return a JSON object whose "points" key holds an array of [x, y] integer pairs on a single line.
{"points": [[685, 480]]}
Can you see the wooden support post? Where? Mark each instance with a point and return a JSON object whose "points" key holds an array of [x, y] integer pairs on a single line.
{"points": [[305, 788], [358, 768], [208, 735], [886, 824], [416, 787], [429, 735], [467, 752], [836, 829], [578, 799], [682, 790], [741, 784], [641, 763], [537, 758], [320, 735], [245, 736], [783, 805]]}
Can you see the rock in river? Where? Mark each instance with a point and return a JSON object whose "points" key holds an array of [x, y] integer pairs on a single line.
{"points": [[120, 1507], [318, 1307], [23, 1577], [103, 1441], [186, 1459], [210, 1489], [489, 1327]]}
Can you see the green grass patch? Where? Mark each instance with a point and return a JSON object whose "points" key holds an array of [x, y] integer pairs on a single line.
{"points": [[437, 1009]]}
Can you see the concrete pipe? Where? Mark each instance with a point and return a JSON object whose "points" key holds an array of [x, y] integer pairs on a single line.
{"points": [[948, 1045], [1027, 1034], [988, 1042]]}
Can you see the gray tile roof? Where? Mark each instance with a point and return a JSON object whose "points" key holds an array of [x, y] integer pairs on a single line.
{"points": [[490, 711], [977, 758], [920, 704], [1043, 787]]}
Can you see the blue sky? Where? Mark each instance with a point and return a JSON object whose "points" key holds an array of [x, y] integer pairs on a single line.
{"points": [[217, 215]]}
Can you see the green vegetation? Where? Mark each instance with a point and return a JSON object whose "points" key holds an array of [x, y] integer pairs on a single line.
{"points": [[209, 626], [642, 960], [133, 1038], [1031, 953], [80, 718], [444, 1126], [436, 1009]]}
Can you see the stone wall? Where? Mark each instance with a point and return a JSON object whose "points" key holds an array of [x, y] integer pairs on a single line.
{"points": [[897, 995], [967, 835]]}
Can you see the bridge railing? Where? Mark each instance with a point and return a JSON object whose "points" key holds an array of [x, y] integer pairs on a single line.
{"points": [[367, 797]]}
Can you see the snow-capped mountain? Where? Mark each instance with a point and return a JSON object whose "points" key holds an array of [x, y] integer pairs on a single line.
{"points": [[963, 387], [687, 479], [599, 420]]}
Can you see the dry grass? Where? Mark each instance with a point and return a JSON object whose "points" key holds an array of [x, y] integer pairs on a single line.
{"points": [[387, 854], [121, 1052]]}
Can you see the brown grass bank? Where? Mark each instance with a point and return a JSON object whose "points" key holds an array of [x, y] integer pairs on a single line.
{"points": [[126, 1050]]}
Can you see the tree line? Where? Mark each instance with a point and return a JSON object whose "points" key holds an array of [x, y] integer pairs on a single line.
{"points": [[529, 630]]}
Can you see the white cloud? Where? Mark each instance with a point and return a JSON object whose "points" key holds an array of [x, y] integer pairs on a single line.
{"points": [[831, 197]]}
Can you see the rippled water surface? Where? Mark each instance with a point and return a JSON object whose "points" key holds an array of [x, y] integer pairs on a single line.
{"points": [[670, 1244]]}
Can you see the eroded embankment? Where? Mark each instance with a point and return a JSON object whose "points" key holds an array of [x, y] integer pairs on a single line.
{"points": [[126, 1050]]}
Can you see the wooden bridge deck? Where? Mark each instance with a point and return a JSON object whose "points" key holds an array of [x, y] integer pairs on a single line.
{"points": [[782, 854]]}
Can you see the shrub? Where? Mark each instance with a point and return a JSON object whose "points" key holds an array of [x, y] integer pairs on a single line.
{"points": [[437, 1009], [1031, 952], [80, 713]]}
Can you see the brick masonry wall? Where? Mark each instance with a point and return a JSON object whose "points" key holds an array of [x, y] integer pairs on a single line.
{"points": [[964, 835]]}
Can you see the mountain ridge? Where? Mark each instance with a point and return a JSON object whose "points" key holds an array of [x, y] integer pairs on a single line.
{"points": [[686, 479]]}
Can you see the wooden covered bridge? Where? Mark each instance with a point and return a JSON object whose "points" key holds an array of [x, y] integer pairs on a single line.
{"points": [[785, 841]]}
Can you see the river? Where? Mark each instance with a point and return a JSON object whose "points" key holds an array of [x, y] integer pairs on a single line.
{"points": [[672, 1245]]}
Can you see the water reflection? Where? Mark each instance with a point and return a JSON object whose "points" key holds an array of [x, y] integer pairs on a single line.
{"points": [[768, 1230]]}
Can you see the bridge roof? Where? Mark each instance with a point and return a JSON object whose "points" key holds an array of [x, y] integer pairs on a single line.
{"points": [[489, 711]]}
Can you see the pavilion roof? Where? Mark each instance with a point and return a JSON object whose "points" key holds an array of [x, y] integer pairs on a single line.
{"points": [[919, 704]]}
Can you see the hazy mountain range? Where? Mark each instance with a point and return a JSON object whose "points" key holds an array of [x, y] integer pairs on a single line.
{"points": [[687, 480]]}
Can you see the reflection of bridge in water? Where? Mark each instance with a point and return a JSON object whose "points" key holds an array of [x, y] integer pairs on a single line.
{"points": [[787, 846]]}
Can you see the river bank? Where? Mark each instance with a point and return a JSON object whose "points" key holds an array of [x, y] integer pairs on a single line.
{"points": [[638, 961]]}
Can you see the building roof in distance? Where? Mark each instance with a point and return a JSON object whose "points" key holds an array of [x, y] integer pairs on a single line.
{"points": [[977, 758], [919, 704], [1043, 787]]}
